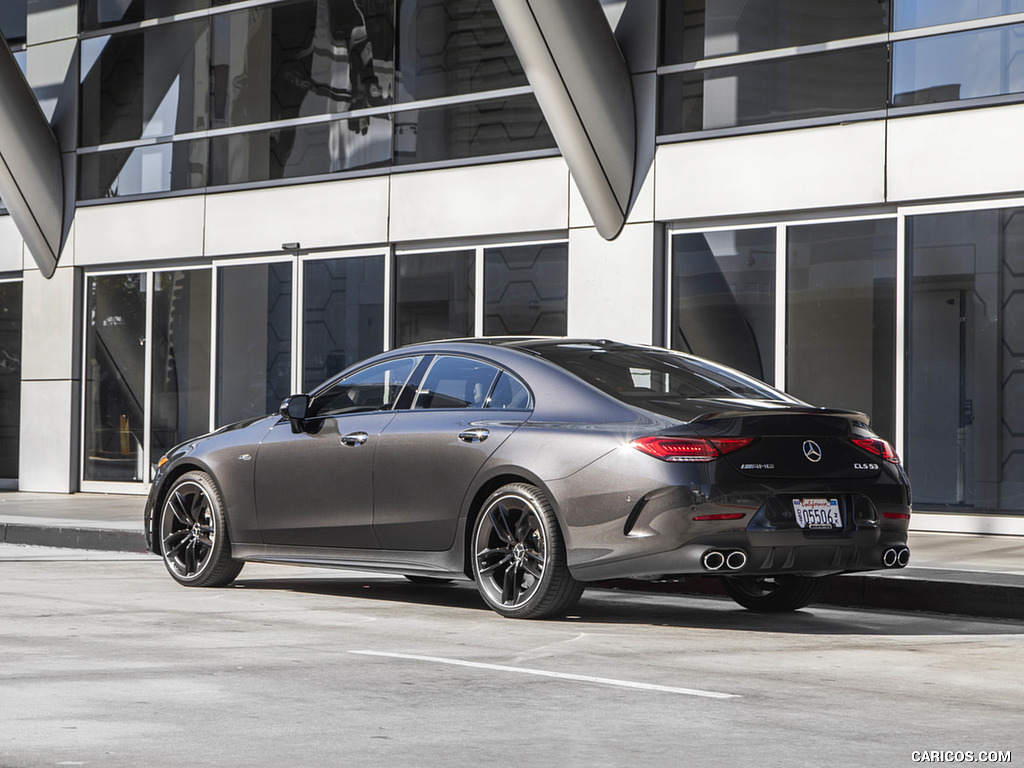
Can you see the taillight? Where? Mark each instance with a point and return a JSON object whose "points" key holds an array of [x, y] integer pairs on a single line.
{"points": [[690, 448], [878, 447]]}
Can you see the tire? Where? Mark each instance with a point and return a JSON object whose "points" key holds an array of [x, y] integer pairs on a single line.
{"points": [[518, 556], [193, 534], [428, 579], [773, 594]]}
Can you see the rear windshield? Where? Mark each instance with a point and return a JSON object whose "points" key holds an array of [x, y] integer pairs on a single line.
{"points": [[656, 379]]}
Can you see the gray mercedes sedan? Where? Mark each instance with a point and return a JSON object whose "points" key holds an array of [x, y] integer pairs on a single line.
{"points": [[534, 466]]}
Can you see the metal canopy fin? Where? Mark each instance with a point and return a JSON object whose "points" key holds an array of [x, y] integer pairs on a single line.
{"points": [[584, 89], [31, 176]]}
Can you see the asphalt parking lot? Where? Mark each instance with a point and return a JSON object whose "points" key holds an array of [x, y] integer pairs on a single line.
{"points": [[108, 662]]}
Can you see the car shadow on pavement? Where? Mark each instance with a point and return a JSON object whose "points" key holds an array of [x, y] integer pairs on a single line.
{"points": [[619, 607]]}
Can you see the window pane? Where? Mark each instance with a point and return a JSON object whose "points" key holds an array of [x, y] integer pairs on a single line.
{"points": [[115, 377], [965, 436], [434, 296], [463, 131], [143, 170], [343, 316], [965, 65], [821, 85], [509, 394], [254, 340], [723, 298], [97, 14], [455, 382], [525, 290], [702, 29], [180, 344], [841, 323], [10, 377], [453, 47], [307, 150], [371, 389], [910, 14], [13, 18], [153, 82], [300, 59]]}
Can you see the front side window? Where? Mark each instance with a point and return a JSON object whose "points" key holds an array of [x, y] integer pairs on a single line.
{"points": [[375, 388], [456, 382]]}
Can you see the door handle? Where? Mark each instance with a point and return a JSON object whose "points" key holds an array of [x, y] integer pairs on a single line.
{"points": [[477, 435], [356, 438]]}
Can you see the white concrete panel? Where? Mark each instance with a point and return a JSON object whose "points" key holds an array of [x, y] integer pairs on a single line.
{"points": [[11, 246], [610, 284], [140, 231], [51, 20], [352, 212], [813, 168], [482, 200], [642, 210], [49, 436], [49, 325], [973, 152]]}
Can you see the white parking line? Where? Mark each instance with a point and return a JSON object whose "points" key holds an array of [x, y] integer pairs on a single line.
{"points": [[558, 675]]}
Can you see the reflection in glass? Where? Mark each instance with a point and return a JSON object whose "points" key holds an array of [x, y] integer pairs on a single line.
{"points": [[702, 29], [525, 290], [434, 296], [820, 85], [911, 14], [311, 57], [10, 377], [115, 377], [343, 315], [965, 431], [455, 382], [254, 339], [180, 344], [453, 47], [470, 130], [148, 83], [723, 298], [965, 65], [143, 170], [13, 22], [841, 319], [97, 14], [306, 150]]}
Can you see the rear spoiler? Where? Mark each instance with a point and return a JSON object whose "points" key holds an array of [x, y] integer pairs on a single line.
{"points": [[810, 411]]}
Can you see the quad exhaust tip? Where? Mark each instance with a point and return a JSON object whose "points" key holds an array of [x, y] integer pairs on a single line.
{"points": [[896, 557], [715, 560]]}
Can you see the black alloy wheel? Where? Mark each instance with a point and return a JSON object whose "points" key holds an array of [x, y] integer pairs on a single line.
{"points": [[193, 534], [519, 560], [773, 594]]}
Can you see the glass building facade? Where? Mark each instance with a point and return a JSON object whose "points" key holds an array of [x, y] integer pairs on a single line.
{"points": [[296, 118]]}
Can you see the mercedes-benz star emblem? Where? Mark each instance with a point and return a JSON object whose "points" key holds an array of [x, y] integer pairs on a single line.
{"points": [[812, 451]]}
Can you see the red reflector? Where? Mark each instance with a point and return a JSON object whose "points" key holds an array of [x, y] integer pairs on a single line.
{"points": [[729, 516], [878, 447], [690, 448], [896, 515]]}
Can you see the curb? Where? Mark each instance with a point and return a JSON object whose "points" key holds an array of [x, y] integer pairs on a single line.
{"points": [[111, 540]]}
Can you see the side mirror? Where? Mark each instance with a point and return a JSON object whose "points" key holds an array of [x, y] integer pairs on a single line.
{"points": [[294, 409]]}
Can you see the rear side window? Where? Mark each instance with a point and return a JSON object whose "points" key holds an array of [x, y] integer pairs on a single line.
{"points": [[509, 394], [456, 382], [372, 389]]}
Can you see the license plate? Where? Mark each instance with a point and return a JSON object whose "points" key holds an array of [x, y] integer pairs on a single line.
{"points": [[817, 514]]}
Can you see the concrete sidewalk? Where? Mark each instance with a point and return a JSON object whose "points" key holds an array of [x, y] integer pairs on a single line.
{"points": [[968, 575]]}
